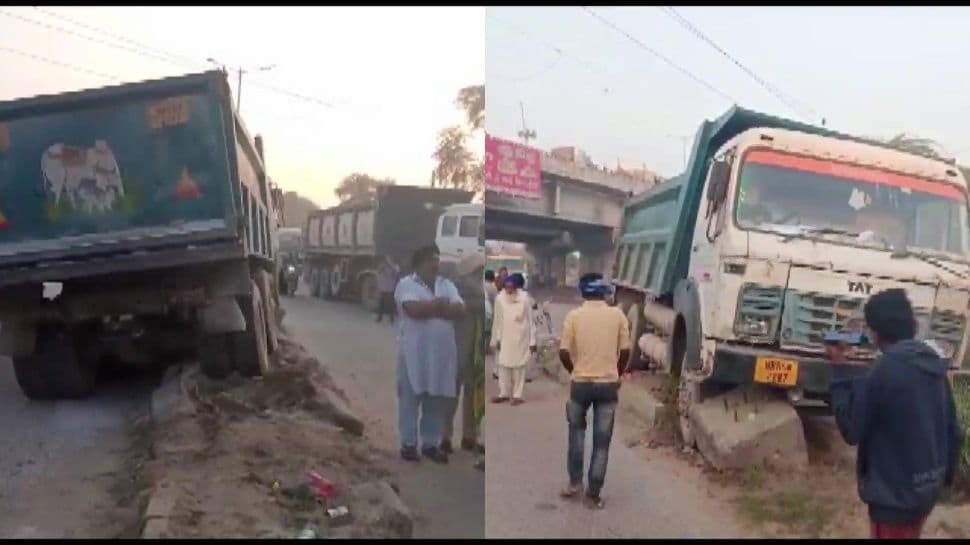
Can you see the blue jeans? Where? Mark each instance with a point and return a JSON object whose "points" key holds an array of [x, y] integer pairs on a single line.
{"points": [[432, 414], [603, 397]]}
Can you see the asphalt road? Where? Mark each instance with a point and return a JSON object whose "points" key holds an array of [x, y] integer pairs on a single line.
{"points": [[62, 464], [648, 494], [448, 500]]}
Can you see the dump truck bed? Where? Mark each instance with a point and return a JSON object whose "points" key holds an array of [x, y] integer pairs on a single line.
{"points": [[400, 220], [130, 176]]}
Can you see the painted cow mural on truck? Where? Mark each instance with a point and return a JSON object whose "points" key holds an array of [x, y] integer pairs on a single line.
{"points": [[89, 178]]}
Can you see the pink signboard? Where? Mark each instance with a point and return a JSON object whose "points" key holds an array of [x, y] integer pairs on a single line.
{"points": [[512, 168]]}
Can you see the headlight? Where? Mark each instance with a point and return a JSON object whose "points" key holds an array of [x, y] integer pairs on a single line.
{"points": [[759, 311], [290, 269], [943, 348], [753, 326]]}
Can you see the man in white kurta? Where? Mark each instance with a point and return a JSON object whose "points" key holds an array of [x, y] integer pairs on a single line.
{"points": [[427, 359], [514, 336]]}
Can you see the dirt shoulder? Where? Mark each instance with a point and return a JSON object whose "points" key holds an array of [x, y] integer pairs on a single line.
{"points": [[820, 502], [233, 459]]}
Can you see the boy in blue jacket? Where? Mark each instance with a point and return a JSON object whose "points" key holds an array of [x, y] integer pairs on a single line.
{"points": [[902, 417]]}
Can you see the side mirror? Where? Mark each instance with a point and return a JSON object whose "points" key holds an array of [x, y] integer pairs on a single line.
{"points": [[720, 176]]}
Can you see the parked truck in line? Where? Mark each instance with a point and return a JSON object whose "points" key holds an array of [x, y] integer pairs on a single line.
{"points": [[731, 273], [346, 244], [148, 205]]}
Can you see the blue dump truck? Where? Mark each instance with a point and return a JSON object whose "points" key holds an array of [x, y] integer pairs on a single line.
{"points": [[732, 273], [136, 222]]}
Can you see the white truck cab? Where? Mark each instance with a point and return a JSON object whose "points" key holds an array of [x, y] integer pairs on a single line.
{"points": [[461, 232]]}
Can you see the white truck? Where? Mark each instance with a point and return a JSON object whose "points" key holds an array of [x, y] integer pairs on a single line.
{"points": [[345, 244], [776, 233]]}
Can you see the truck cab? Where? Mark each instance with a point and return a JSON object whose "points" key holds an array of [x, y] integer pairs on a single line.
{"points": [[461, 232], [777, 233]]}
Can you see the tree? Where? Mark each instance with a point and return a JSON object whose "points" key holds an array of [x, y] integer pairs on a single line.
{"points": [[472, 100], [296, 208], [456, 164], [358, 187], [457, 167]]}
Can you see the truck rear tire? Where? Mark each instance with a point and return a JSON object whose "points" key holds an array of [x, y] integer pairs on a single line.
{"points": [[335, 282], [57, 369], [369, 296], [215, 355], [323, 284], [314, 280], [251, 347]]}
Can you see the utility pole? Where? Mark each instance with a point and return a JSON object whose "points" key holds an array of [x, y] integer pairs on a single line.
{"points": [[525, 134], [239, 74]]}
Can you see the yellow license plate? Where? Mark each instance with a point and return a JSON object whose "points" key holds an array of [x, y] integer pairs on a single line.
{"points": [[776, 371]]}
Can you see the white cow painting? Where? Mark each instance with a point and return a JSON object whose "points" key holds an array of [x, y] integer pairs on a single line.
{"points": [[88, 177]]}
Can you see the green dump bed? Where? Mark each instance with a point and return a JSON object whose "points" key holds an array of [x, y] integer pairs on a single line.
{"points": [[658, 225], [126, 177]]}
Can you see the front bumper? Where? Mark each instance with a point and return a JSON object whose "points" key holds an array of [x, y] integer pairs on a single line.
{"points": [[736, 365]]}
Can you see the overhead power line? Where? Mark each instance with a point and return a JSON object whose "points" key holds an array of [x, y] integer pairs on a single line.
{"points": [[181, 59], [142, 50], [529, 36], [59, 63], [786, 99], [660, 56]]}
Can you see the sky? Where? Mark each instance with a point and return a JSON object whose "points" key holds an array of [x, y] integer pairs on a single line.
{"points": [[871, 72], [389, 74]]}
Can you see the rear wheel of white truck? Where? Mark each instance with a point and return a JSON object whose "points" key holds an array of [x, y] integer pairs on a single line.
{"points": [[251, 346], [335, 281], [369, 296], [313, 280], [323, 283]]}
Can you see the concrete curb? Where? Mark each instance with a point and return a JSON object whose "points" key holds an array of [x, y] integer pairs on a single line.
{"points": [[161, 499], [637, 400]]}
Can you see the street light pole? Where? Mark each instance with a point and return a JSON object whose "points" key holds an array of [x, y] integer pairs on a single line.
{"points": [[239, 75]]}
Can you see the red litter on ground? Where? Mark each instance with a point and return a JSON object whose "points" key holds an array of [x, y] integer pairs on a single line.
{"points": [[324, 488]]}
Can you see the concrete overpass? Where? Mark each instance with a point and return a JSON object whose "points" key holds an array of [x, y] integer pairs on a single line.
{"points": [[580, 209]]}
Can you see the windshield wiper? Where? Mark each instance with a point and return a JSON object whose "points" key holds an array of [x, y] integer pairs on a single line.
{"points": [[818, 231]]}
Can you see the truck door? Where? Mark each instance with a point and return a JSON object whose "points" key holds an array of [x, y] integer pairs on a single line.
{"points": [[447, 237], [470, 235], [705, 258]]}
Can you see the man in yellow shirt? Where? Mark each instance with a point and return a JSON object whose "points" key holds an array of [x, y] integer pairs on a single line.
{"points": [[594, 349]]}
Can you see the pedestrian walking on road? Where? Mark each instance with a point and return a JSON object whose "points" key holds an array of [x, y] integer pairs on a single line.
{"points": [[594, 348], [902, 416], [387, 277], [427, 359], [514, 337], [471, 363]]}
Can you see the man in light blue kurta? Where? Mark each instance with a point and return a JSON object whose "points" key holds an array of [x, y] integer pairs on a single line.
{"points": [[427, 356]]}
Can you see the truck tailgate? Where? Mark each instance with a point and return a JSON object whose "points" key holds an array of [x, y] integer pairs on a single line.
{"points": [[135, 167]]}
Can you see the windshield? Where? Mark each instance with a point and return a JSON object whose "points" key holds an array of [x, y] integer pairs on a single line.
{"points": [[798, 195]]}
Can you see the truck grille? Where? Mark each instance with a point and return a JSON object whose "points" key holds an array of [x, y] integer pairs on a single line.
{"points": [[808, 316]]}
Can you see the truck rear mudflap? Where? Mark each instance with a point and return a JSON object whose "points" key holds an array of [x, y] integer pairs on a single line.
{"points": [[746, 365]]}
